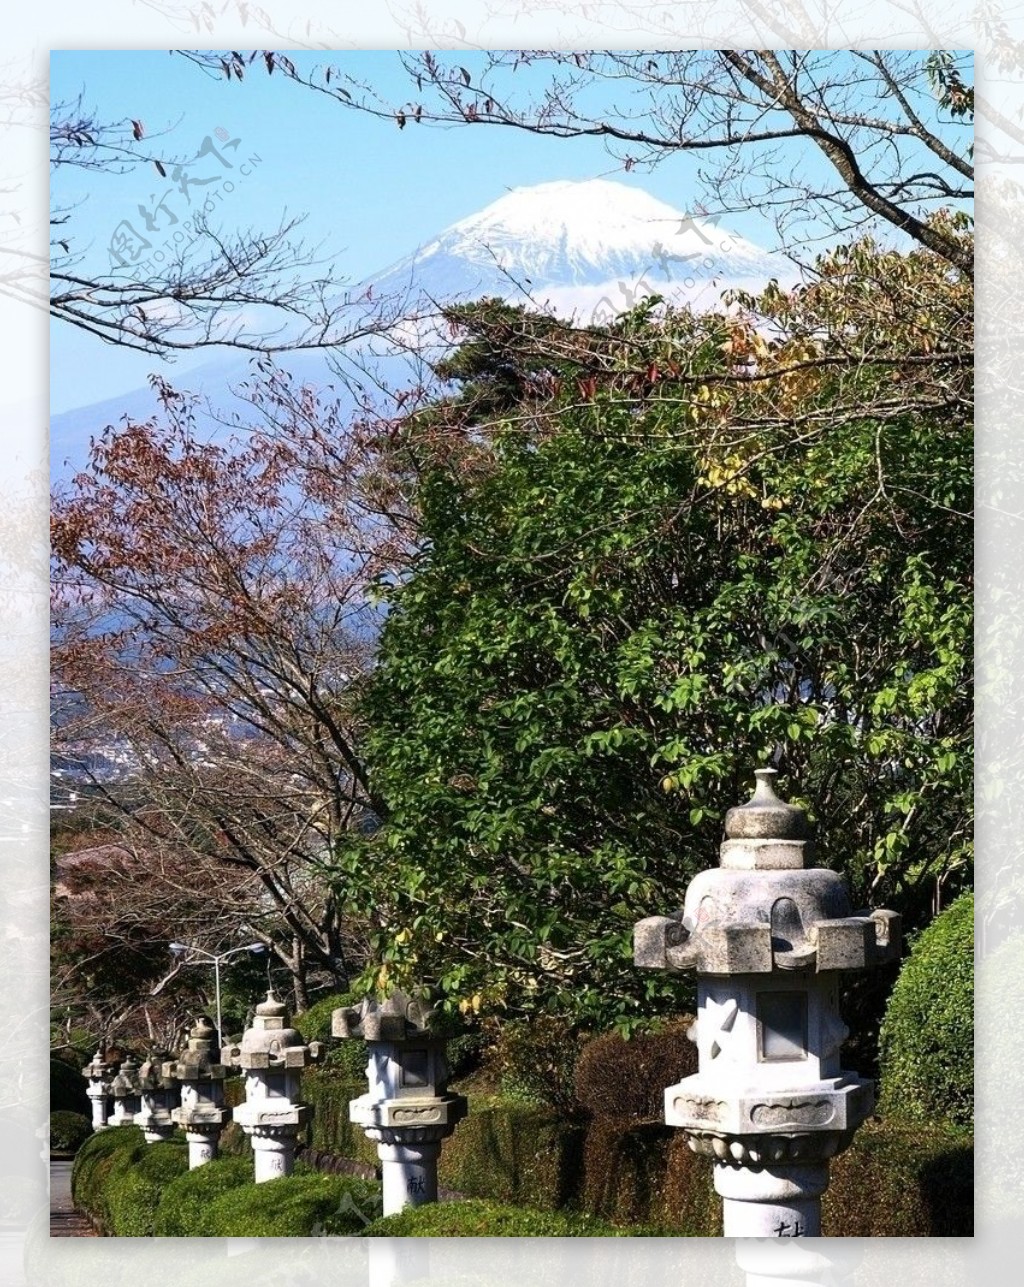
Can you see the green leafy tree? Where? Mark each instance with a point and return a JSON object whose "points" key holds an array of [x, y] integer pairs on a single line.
{"points": [[666, 553]]}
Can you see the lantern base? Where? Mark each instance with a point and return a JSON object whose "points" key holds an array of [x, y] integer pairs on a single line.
{"points": [[409, 1174], [203, 1147], [775, 1202], [273, 1152]]}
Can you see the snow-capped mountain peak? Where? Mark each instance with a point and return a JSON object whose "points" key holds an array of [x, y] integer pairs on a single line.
{"points": [[566, 238]]}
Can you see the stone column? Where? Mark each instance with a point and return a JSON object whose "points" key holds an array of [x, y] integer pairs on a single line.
{"points": [[408, 1110], [768, 936], [273, 1056]]}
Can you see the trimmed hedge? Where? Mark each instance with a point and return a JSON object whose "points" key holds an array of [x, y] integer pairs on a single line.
{"points": [[134, 1193], [479, 1219], [328, 1092], [94, 1162], [135, 1190], [616, 1077], [927, 1036], [184, 1207], [68, 1132], [294, 1206], [515, 1153], [118, 1179], [900, 1181], [893, 1181]]}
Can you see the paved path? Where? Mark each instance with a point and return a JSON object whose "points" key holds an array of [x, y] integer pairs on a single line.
{"points": [[65, 1221]]}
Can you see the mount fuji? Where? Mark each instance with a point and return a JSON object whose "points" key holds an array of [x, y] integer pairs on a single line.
{"points": [[569, 245], [585, 250]]}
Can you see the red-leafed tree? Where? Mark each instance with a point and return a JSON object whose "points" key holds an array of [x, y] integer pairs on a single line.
{"points": [[213, 619]]}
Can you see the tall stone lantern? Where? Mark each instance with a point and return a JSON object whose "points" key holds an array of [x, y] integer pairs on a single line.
{"points": [[99, 1073], [272, 1055], [159, 1095], [126, 1093], [201, 1112], [769, 937], [408, 1109]]}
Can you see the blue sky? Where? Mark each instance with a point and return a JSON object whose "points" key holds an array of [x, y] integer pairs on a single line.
{"points": [[371, 192]]}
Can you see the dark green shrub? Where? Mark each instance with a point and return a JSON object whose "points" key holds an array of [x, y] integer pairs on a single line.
{"points": [[902, 1181], [479, 1219], [535, 1061], [644, 1173], [185, 1203], [927, 1037], [67, 1088], [328, 1091], [616, 1077], [467, 1051], [234, 1091], [515, 1153], [68, 1132], [134, 1189], [295, 1206], [94, 1161], [315, 1023], [345, 1056]]}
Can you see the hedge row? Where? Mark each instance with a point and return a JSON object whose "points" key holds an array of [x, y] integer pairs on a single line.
{"points": [[118, 1179], [134, 1190], [478, 1219], [896, 1180]]}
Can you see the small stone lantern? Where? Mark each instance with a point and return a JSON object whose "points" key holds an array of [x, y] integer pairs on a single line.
{"points": [[126, 1092], [768, 937], [99, 1074], [408, 1109], [159, 1098], [273, 1057], [201, 1113]]}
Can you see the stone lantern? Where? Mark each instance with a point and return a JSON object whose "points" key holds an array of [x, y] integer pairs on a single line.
{"points": [[159, 1093], [99, 1074], [272, 1056], [126, 1092], [201, 1113], [768, 936], [408, 1109]]}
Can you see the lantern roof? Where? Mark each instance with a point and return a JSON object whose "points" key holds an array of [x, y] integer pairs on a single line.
{"points": [[399, 1018], [764, 908], [270, 1042]]}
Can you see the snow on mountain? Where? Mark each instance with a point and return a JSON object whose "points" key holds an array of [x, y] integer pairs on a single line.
{"points": [[588, 250], [569, 244]]}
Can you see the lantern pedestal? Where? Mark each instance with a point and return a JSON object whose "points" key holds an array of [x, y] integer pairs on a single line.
{"points": [[126, 1093], [768, 936], [273, 1147], [408, 1110], [159, 1095], [201, 1112], [273, 1056], [203, 1145], [408, 1173], [99, 1074], [777, 1202]]}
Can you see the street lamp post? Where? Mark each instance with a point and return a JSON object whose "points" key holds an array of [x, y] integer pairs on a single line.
{"points": [[183, 949]]}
